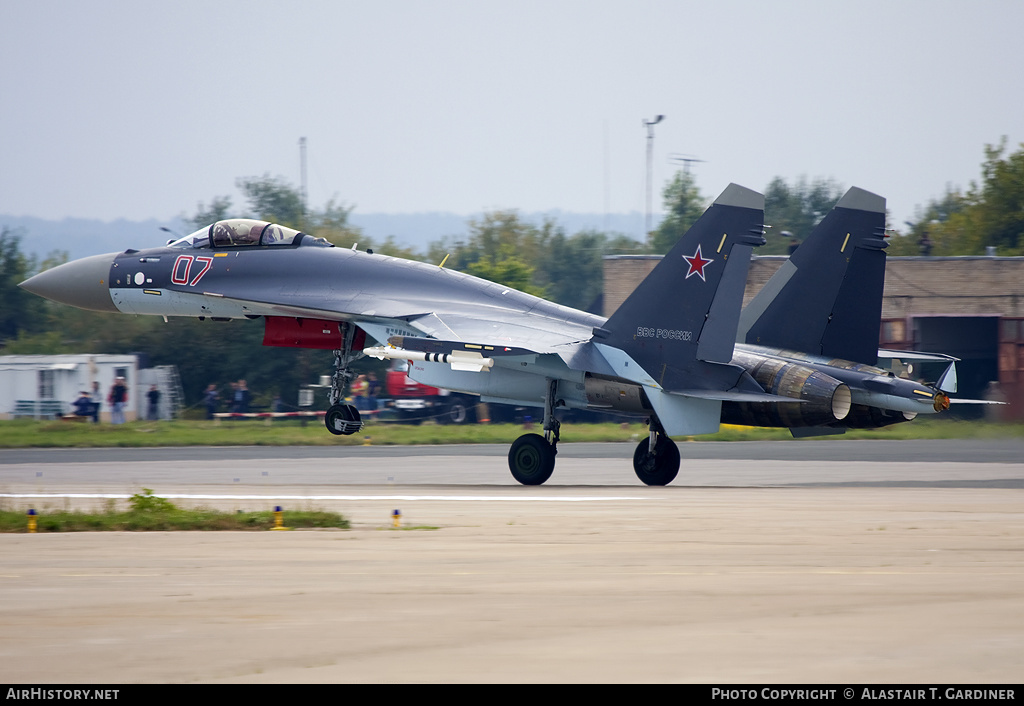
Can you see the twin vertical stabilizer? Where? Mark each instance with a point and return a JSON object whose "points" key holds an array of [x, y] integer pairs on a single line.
{"points": [[679, 325], [827, 298]]}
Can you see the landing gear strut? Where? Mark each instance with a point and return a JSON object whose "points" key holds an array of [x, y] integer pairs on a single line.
{"points": [[656, 459], [343, 419], [532, 456]]}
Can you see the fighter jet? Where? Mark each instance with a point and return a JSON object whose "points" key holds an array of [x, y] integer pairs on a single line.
{"points": [[666, 354], [811, 333]]}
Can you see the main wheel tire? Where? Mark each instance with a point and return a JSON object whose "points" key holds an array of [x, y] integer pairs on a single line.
{"points": [[659, 468], [454, 412], [342, 419], [531, 459]]}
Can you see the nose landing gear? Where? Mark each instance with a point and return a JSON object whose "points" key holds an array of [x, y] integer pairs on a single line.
{"points": [[343, 419]]}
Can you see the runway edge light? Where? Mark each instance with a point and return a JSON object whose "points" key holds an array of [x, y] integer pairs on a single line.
{"points": [[279, 519]]}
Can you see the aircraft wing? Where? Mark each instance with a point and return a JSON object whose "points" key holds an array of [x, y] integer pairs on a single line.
{"points": [[526, 322], [537, 334]]}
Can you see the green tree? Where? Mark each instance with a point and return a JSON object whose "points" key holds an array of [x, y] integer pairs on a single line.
{"points": [[495, 236], [274, 199], [498, 234], [332, 223], [391, 247], [506, 268], [990, 214], [20, 311], [999, 201], [796, 210], [277, 201], [572, 267], [542, 259], [934, 221], [216, 211], [222, 352], [683, 204]]}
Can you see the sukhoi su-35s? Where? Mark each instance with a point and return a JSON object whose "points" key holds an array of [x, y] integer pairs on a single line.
{"points": [[668, 354]]}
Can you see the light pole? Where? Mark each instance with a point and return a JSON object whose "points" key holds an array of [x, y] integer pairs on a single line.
{"points": [[649, 124], [302, 175]]}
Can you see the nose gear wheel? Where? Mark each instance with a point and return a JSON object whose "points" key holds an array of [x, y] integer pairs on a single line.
{"points": [[343, 419]]}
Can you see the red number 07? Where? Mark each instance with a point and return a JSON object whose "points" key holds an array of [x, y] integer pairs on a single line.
{"points": [[183, 266]]}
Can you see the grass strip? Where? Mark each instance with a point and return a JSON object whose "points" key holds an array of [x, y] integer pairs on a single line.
{"points": [[24, 433], [151, 513]]}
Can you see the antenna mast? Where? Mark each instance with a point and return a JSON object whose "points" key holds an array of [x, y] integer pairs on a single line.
{"points": [[302, 175]]}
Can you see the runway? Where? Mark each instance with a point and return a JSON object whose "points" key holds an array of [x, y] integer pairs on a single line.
{"points": [[858, 562]]}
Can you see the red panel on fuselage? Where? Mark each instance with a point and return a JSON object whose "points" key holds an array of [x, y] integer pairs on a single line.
{"points": [[290, 332]]}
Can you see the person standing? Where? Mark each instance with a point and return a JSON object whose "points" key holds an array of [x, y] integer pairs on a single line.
{"points": [[372, 392], [83, 405], [241, 401], [117, 399], [210, 398], [924, 243], [358, 391], [97, 400], [153, 412]]}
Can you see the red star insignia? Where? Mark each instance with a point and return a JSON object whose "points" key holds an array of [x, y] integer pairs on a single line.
{"points": [[697, 263]]}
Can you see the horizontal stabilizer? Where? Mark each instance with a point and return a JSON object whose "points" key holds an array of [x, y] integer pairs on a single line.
{"points": [[681, 416], [953, 400], [913, 355]]}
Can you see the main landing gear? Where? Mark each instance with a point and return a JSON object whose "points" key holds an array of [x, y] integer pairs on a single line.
{"points": [[343, 419], [532, 456], [656, 459]]}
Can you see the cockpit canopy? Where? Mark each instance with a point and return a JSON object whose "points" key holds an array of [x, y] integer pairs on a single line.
{"points": [[242, 232]]}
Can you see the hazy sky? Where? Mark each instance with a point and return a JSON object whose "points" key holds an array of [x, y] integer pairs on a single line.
{"points": [[143, 109]]}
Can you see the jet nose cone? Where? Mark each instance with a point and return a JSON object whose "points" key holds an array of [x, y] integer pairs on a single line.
{"points": [[83, 283]]}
